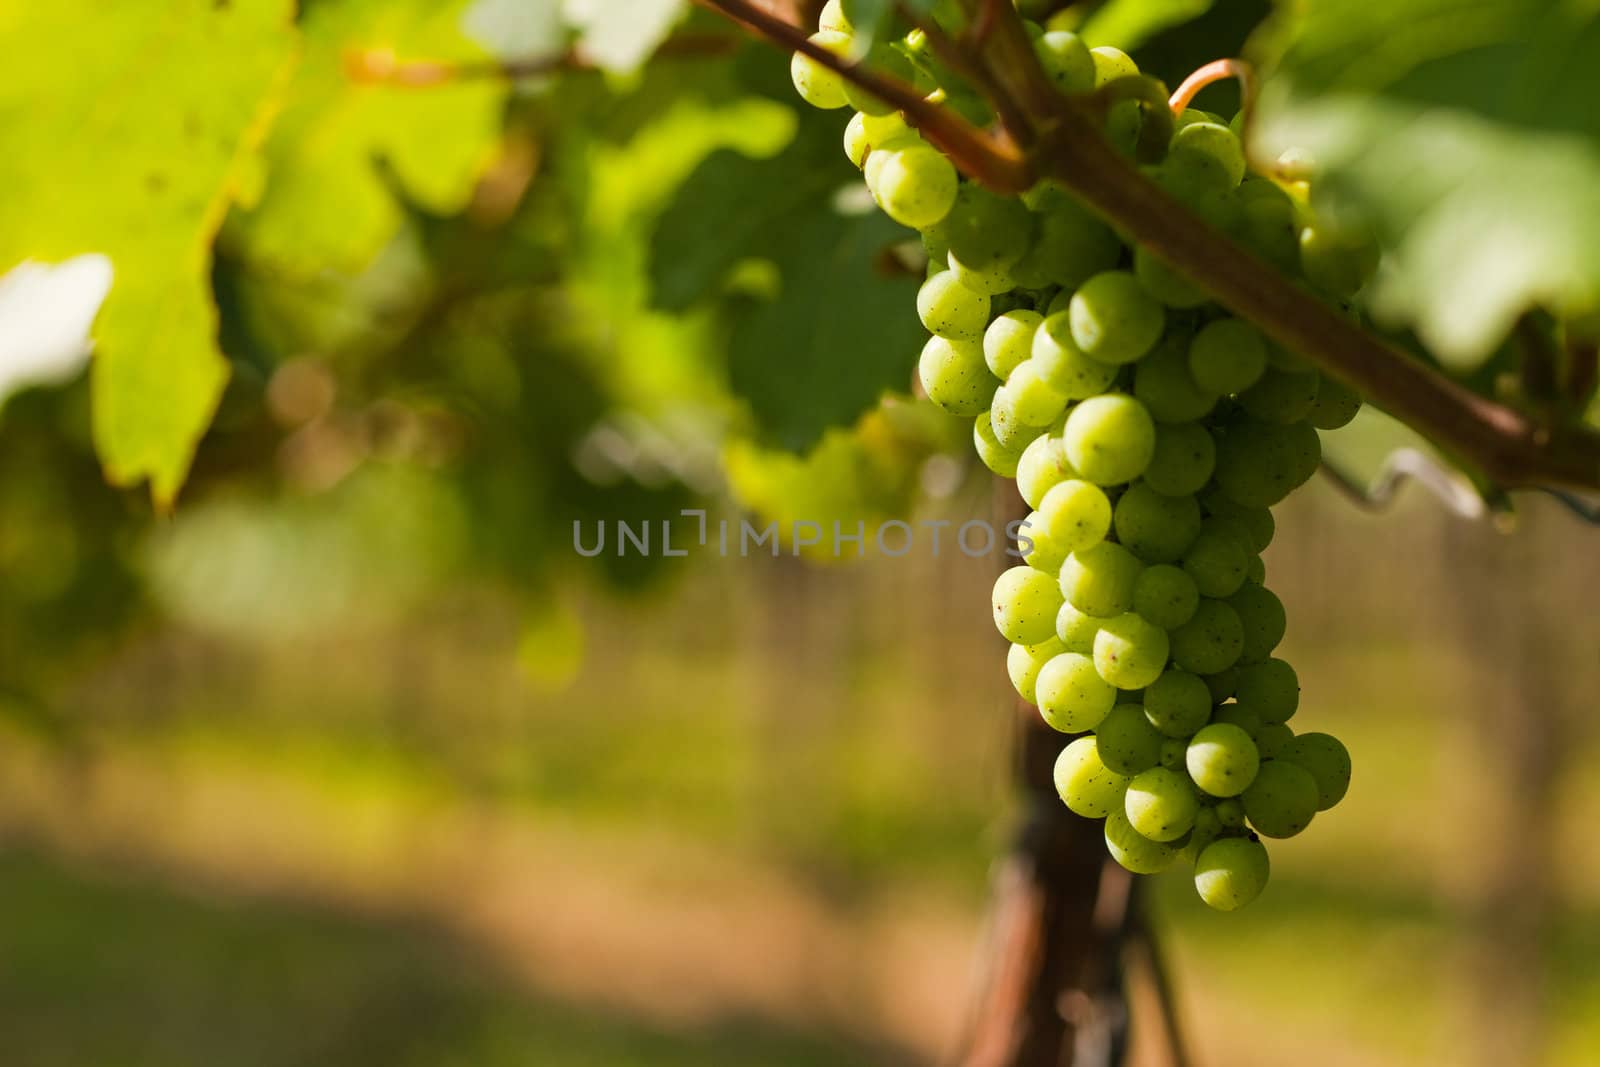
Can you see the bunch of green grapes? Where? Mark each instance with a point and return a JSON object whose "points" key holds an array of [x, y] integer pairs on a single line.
{"points": [[1151, 433]]}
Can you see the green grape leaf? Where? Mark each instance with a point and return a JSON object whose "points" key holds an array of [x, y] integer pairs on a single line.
{"points": [[123, 131], [1127, 24], [326, 205], [1466, 134], [839, 331]]}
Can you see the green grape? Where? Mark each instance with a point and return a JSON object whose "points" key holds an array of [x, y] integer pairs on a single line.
{"points": [[1259, 464], [1334, 407], [1163, 384], [1066, 59], [1128, 743], [1099, 580], [883, 152], [1266, 223], [1205, 830], [955, 377], [1156, 528], [992, 280], [1272, 688], [1336, 268], [1285, 360], [1272, 739], [868, 132], [1215, 560], [1043, 464], [1172, 752], [1177, 704], [1059, 303], [1255, 571], [886, 60], [1071, 247], [1165, 595], [816, 84], [1230, 813], [1227, 356], [1111, 64], [1045, 194], [1064, 365], [1205, 155], [1130, 651], [950, 309], [1222, 760], [1076, 513], [1164, 283], [1222, 684], [1191, 115], [1282, 799], [1243, 716], [1211, 641], [985, 230], [1025, 605], [1023, 663], [1262, 616], [1183, 460], [1006, 427], [1035, 403], [1231, 872], [1161, 804], [1134, 851], [916, 187], [1257, 522], [1282, 396], [1216, 204], [1072, 695], [1231, 527], [1042, 552], [997, 457], [1122, 126], [1109, 439], [1326, 759], [832, 17], [1009, 340], [1113, 319], [1077, 630], [1086, 786], [1026, 275], [938, 252]]}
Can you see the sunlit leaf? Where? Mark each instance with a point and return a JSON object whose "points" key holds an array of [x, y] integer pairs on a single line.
{"points": [[1466, 134], [122, 129]]}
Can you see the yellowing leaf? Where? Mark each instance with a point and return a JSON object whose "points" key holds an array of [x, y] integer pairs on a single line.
{"points": [[122, 127]]}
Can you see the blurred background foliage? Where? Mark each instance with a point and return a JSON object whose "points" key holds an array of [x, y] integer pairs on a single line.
{"points": [[351, 758]]}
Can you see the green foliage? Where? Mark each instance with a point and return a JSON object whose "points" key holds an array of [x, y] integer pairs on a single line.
{"points": [[326, 205], [123, 130], [1465, 134], [1128, 24], [819, 348]]}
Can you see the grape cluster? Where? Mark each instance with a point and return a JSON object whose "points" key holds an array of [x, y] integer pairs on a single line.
{"points": [[1151, 433]]}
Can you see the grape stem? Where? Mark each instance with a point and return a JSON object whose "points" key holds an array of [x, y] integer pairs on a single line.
{"points": [[989, 157], [966, 61], [1065, 144]]}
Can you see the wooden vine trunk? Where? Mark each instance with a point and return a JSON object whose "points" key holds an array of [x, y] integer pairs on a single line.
{"points": [[1050, 984]]}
